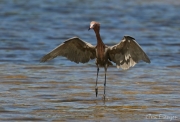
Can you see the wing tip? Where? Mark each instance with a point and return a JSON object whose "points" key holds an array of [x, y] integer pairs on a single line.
{"points": [[148, 61], [45, 58], [42, 60]]}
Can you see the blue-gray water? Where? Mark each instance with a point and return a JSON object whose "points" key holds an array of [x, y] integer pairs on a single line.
{"points": [[61, 90]]}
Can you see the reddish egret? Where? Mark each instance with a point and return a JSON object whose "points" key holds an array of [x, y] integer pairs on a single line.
{"points": [[125, 54]]}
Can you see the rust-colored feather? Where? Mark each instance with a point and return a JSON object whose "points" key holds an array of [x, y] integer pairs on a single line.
{"points": [[100, 50]]}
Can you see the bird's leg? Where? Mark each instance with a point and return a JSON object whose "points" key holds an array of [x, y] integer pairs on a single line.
{"points": [[105, 84], [96, 88]]}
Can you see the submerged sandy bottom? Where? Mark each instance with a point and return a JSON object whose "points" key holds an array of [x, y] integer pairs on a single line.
{"points": [[48, 93], [60, 90]]}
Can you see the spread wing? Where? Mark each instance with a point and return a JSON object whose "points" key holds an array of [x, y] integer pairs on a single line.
{"points": [[73, 49], [127, 53]]}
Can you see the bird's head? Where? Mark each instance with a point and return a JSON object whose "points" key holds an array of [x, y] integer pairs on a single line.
{"points": [[94, 25]]}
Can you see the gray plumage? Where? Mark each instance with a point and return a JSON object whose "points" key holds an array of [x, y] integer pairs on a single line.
{"points": [[125, 54], [73, 49]]}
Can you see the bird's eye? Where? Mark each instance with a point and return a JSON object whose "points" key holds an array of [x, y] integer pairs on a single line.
{"points": [[92, 26]]}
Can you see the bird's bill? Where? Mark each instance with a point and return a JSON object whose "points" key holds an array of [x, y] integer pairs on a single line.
{"points": [[91, 26]]}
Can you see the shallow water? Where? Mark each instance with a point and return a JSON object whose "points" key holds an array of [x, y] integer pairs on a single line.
{"points": [[61, 90]]}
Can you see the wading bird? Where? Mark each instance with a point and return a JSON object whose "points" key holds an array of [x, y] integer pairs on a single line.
{"points": [[125, 54]]}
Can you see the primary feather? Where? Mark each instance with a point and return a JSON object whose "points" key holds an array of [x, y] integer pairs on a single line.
{"points": [[73, 49], [127, 53]]}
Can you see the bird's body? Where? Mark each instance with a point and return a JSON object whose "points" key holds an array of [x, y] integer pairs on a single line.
{"points": [[101, 52], [125, 54]]}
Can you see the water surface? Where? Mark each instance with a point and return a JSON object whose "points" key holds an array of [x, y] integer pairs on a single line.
{"points": [[61, 90]]}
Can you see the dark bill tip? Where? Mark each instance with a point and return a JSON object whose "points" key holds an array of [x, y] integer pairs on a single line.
{"points": [[89, 28]]}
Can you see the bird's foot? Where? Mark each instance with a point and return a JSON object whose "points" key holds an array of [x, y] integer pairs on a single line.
{"points": [[96, 90]]}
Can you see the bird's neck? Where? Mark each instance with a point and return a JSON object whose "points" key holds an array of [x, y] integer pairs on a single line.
{"points": [[98, 37], [100, 46]]}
